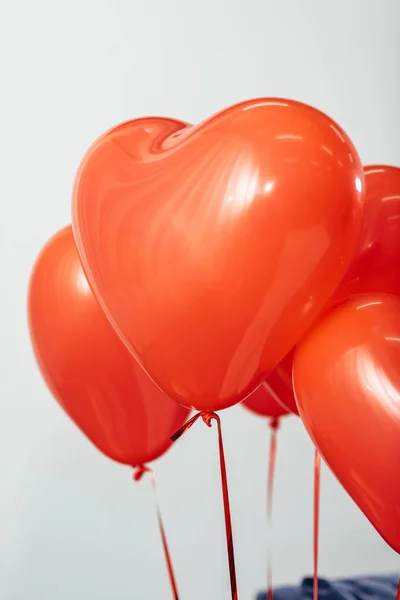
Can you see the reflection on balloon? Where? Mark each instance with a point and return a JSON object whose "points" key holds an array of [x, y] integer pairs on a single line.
{"points": [[376, 261], [87, 367], [347, 383], [213, 248]]}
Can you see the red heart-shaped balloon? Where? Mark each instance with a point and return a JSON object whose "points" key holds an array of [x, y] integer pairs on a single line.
{"points": [[280, 382], [374, 267], [346, 377], [87, 367], [212, 248], [265, 403]]}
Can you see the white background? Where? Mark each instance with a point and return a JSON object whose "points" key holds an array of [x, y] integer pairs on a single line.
{"points": [[72, 524]]}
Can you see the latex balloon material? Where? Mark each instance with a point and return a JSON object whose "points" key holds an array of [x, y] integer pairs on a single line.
{"points": [[280, 383], [213, 248], [375, 266], [264, 403], [87, 367], [347, 382]]}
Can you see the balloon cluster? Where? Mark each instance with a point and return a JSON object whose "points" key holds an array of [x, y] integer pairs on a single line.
{"points": [[248, 258]]}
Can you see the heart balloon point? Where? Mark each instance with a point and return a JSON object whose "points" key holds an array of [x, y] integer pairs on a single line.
{"points": [[204, 244]]}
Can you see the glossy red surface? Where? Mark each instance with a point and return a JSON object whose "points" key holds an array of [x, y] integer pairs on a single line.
{"points": [[281, 385], [264, 402], [347, 382], [376, 262], [212, 248], [87, 367]]}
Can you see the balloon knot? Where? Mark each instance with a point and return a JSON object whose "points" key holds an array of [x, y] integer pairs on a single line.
{"points": [[140, 470], [208, 417], [274, 423]]}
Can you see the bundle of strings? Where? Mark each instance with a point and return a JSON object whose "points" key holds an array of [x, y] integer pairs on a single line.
{"points": [[274, 425]]}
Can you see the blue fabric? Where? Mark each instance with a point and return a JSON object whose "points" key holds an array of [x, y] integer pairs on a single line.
{"points": [[362, 588]]}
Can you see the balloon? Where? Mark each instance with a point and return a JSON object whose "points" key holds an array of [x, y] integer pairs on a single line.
{"points": [[263, 402], [375, 266], [280, 383], [275, 396], [87, 367], [212, 248], [347, 383]]}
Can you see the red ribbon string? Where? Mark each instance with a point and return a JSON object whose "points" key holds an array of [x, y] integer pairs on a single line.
{"points": [[398, 591], [274, 425], [137, 476], [185, 427], [207, 418], [317, 481]]}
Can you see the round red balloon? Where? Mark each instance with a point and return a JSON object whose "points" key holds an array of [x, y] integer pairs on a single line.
{"points": [[213, 248], [87, 367], [347, 382]]}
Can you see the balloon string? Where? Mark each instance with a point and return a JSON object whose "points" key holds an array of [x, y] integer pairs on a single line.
{"points": [[398, 591], [207, 418], [137, 476], [185, 427], [274, 425], [317, 481]]}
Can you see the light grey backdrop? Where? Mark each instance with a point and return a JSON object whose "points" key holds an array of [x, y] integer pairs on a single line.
{"points": [[72, 524]]}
